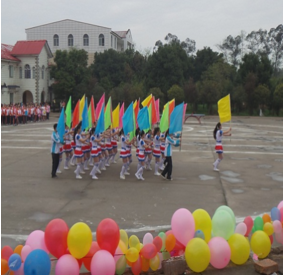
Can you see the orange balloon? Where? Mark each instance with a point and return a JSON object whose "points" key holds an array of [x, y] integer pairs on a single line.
{"points": [[4, 267], [145, 264], [170, 242], [129, 263], [18, 250], [266, 218]]}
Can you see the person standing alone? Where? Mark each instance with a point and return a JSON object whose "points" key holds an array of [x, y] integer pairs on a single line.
{"points": [[55, 148]]}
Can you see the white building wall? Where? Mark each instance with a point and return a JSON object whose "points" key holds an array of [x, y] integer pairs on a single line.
{"points": [[43, 83]]}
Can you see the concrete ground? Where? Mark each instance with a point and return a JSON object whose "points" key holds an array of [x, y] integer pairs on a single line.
{"points": [[250, 180]]}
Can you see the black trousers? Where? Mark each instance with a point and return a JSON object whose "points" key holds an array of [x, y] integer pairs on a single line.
{"points": [[47, 115], [55, 163], [169, 167]]}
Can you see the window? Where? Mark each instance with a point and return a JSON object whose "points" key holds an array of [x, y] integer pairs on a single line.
{"points": [[70, 40], [56, 40], [11, 71], [86, 40], [33, 72], [21, 72], [101, 40], [42, 72], [27, 72]]}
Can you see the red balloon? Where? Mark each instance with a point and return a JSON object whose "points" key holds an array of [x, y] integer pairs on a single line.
{"points": [[149, 251], [88, 258], [55, 237], [158, 242], [249, 223], [6, 252], [136, 266], [178, 246], [108, 235], [271, 239]]}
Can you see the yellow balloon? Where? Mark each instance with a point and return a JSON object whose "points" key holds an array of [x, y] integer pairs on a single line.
{"points": [[203, 222], [122, 246], [134, 242], [155, 262], [197, 255], [79, 240], [132, 254], [240, 248], [260, 244], [268, 228], [124, 237]]}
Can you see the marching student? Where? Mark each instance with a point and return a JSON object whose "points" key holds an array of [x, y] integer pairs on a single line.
{"points": [[55, 150], [124, 154], [108, 146], [114, 140], [218, 133], [157, 149], [86, 148], [103, 151], [162, 147], [95, 153], [73, 145], [148, 151], [67, 147]]}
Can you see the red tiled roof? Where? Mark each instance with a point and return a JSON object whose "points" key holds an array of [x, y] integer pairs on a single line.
{"points": [[6, 52], [30, 47]]}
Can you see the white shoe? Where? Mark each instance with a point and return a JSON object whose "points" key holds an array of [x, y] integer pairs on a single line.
{"points": [[128, 168], [66, 168], [72, 164], [94, 177], [157, 173], [163, 176], [91, 164], [161, 168], [107, 164], [141, 177], [86, 169], [216, 170], [114, 162], [58, 171], [98, 171], [78, 177], [150, 168], [137, 176], [126, 173], [104, 169], [82, 172], [122, 176]]}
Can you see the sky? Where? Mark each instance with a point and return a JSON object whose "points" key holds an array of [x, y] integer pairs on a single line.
{"points": [[208, 22]]}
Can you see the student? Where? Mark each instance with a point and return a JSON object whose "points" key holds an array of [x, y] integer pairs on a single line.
{"points": [[114, 140], [148, 151], [162, 147], [124, 154], [157, 149], [108, 146], [218, 133], [67, 147], [95, 153], [55, 150]]}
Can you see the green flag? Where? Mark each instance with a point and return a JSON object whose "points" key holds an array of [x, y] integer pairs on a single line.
{"points": [[90, 117], [68, 113], [132, 133], [108, 112], [164, 122]]}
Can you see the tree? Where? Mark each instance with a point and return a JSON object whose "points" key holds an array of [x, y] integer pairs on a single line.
{"points": [[158, 94], [276, 46], [261, 96], [190, 94], [250, 85], [177, 93], [238, 98], [278, 98], [258, 42]]}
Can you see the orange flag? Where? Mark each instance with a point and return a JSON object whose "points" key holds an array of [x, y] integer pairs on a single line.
{"points": [[76, 115]]}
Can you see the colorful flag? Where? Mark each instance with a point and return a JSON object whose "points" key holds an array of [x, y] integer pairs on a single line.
{"points": [[176, 119], [93, 110], [184, 111], [99, 106], [127, 120], [90, 117], [154, 119], [61, 126], [157, 104], [147, 100], [108, 114], [121, 113], [136, 110], [68, 113], [224, 109], [164, 122], [82, 104], [115, 117], [85, 118], [143, 118], [100, 127], [76, 112], [150, 117], [171, 106]]}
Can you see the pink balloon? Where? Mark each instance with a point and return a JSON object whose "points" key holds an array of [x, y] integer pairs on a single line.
{"points": [[277, 226], [279, 237], [281, 214], [220, 252], [148, 238], [26, 250], [241, 228], [280, 205], [20, 271], [36, 240], [183, 225], [67, 265], [118, 253], [161, 259], [103, 263]]}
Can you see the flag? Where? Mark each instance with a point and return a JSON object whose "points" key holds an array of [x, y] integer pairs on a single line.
{"points": [[108, 114], [90, 117], [76, 112], [100, 127], [147, 100], [93, 110], [115, 117], [68, 113], [154, 119], [61, 126], [164, 122], [121, 113], [171, 106], [132, 133], [85, 119], [157, 104], [184, 111], [127, 120], [136, 110], [82, 104], [224, 109], [150, 116], [99, 106], [143, 118], [176, 119]]}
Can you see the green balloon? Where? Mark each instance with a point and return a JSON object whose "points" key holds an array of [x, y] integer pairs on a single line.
{"points": [[163, 236], [120, 265], [253, 230], [166, 255], [258, 224], [223, 224], [229, 210]]}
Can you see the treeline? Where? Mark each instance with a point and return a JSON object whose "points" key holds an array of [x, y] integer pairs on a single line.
{"points": [[249, 67]]}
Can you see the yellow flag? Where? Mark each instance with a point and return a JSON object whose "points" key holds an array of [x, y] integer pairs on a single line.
{"points": [[115, 117], [82, 103], [147, 100], [224, 109], [135, 103]]}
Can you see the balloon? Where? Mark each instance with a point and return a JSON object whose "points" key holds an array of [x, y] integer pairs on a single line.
{"points": [[88, 258], [220, 252], [249, 223], [275, 213], [36, 240], [223, 224], [132, 254], [241, 228], [258, 224], [37, 263], [25, 252], [183, 225], [122, 246], [55, 237], [266, 218], [145, 264], [268, 228], [240, 249], [67, 265], [148, 238], [123, 236], [18, 249], [4, 266], [279, 237], [149, 251], [197, 255], [134, 242], [163, 236], [260, 244], [170, 242], [108, 235], [271, 239], [6, 252], [166, 255], [280, 205], [229, 210], [15, 261], [253, 230], [161, 259], [120, 265], [103, 263], [277, 226], [20, 271], [158, 243], [281, 214], [79, 240], [203, 222], [155, 262], [199, 234], [136, 267]]}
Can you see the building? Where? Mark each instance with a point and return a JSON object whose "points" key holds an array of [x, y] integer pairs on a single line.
{"points": [[64, 34], [24, 72]]}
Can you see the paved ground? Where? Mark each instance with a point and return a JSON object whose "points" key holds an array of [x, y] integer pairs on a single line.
{"points": [[250, 180]]}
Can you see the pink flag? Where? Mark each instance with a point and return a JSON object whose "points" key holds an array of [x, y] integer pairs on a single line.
{"points": [[157, 103], [121, 113], [184, 111], [99, 106]]}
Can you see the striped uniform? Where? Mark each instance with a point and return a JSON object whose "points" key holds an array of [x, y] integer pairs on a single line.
{"points": [[78, 150], [137, 149], [86, 147], [148, 150], [103, 144], [163, 144], [98, 136], [218, 146], [157, 145], [94, 151], [108, 143], [128, 147], [73, 144], [123, 152], [141, 155], [67, 147], [113, 139]]}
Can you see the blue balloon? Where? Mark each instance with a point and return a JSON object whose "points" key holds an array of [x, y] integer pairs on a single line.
{"points": [[199, 234], [275, 214], [15, 262], [37, 263]]}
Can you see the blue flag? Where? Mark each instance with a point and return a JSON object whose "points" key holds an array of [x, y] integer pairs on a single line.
{"points": [[61, 126], [85, 118], [100, 127], [176, 119], [127, 120], [143, 118]]}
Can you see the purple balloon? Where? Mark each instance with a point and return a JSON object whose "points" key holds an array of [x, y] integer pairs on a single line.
{"points": [[220, 252], [148, 238], [36, 241], [103, 263], [67, 265]]}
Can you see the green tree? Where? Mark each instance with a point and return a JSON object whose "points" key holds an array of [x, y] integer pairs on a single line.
{"points": [[261, 96], [191, 94], [158, 94], [238, 98], [250, 85], [177, 93], [278, 98]]}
